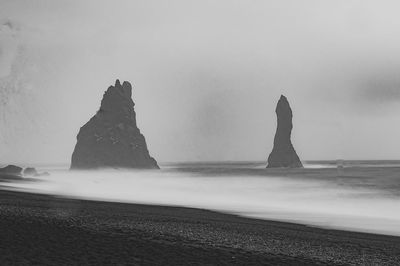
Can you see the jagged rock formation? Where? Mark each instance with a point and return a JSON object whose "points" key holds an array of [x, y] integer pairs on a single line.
{"points": [[283, 153], [111, 138]]}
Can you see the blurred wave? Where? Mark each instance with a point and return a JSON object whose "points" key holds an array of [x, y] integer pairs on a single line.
{"points": [[359, 198]]}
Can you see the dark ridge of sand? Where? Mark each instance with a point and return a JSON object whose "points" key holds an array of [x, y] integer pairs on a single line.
{"points": [[46, 230]]}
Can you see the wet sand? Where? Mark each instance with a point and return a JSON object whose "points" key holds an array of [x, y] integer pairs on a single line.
{"points": [[46, 230]]}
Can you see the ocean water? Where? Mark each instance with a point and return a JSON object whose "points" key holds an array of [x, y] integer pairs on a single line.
{"points": [[351, 195]]}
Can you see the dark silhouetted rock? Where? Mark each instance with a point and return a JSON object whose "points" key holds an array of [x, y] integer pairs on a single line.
{"points": [[30, 171], [10, 173], [283, 153], [111, 138], [11, 170]]}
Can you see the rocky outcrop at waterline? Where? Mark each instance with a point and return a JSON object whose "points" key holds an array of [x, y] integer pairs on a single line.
{"points": [[13, 172], [111, 138], [283, 153]]}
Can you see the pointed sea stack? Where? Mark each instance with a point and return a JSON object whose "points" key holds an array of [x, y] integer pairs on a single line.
{"points": [[283, 153], [111, 138]]}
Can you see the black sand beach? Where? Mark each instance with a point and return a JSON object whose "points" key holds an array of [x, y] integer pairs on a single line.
{"points": [[46, 230]]}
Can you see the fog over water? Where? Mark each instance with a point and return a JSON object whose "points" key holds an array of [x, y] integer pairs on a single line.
{"points": [[206, 74], [358, 204]]}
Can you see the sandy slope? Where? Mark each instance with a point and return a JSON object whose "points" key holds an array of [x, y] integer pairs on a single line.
{"points": [[43, 230]]}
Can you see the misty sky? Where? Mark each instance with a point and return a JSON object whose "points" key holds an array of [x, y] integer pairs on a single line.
{"points": [[206, 75]]}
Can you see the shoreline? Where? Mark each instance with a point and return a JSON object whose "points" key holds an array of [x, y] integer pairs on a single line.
{"points": [[316, 225], [51, 230]]}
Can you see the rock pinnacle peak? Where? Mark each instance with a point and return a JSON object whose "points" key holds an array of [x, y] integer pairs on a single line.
{"points": [[283, 154], [111, 138]]}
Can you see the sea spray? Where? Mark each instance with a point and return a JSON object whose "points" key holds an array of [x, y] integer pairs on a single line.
{"points": [[315, 201]]}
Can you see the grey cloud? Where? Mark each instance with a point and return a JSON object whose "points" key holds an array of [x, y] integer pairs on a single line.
{"points": [[381, 89], [10, 25]]}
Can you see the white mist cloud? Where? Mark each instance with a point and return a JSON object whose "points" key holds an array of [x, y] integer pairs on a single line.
{"points": [[309, 201], [8, 46], [25, 95]]}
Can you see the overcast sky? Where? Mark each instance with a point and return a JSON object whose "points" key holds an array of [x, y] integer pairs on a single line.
{"points": [[206, 75]]}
